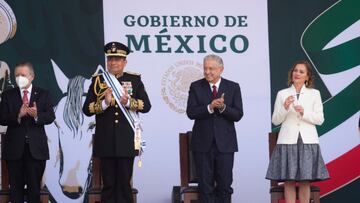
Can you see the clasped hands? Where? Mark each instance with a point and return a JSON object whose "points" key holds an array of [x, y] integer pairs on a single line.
{"points": [[123, 100], [290, 100], [217, 103], [26, 110]]}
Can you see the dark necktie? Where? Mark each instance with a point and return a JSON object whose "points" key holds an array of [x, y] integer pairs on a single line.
{"points": [[214, 92], [25, 98]]}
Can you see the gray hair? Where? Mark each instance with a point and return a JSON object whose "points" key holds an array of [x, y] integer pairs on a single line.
{"points": [[216, 58], [72, 114]]}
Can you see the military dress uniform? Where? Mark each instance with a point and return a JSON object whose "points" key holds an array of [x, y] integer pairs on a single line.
{"points": [[114, 137]]}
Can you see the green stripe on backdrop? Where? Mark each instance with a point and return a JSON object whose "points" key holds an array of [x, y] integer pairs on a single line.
{"points": [[70, 32], [335, 59], [341, 107], [324, 29], [287, 22], [347, 194], [285, 29]]}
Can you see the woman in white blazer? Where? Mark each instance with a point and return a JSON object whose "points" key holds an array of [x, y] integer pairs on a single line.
{"points": [[297, 156]]}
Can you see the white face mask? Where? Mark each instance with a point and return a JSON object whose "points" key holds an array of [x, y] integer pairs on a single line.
{"points": [[22, 81]]}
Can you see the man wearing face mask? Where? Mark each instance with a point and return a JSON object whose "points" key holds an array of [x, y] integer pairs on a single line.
{"points": [[25, 110]]}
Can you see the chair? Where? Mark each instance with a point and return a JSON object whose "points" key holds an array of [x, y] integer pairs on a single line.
{"points": [[277, 189], [189, 189], [94, 194], [175, 194], [5, 191]]}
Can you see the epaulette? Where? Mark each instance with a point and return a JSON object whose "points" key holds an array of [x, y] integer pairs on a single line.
{"points": [[132, 73], [96, 74]]}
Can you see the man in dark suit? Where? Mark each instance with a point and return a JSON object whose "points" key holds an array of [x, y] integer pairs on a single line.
{"points": [[215, 104], [114, 140], [25, 110]]}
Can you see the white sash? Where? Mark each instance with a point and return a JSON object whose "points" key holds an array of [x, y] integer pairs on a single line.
{"points": [[131, 116], [118, 91]]}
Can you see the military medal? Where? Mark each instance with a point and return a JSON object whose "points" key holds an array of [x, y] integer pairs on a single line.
{"points": [[128, 86]]}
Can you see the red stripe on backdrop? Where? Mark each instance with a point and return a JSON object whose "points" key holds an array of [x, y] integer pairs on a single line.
{"points": [[342, 170]]}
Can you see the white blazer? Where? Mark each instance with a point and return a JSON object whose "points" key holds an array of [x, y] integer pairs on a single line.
{"points": [[292, 122]]}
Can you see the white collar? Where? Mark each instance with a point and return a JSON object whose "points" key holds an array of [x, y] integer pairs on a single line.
{"points": [[302, 90], [217, 84], [29, 89]]}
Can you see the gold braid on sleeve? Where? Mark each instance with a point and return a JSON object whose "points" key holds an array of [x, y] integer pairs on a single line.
{"points": [[136, 104], [96, 107]]}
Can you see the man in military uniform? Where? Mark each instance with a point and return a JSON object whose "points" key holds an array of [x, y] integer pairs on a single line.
{"points": [[114, 136]]}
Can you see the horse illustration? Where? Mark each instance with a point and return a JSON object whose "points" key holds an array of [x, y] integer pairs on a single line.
{"points": [[70, 142]]}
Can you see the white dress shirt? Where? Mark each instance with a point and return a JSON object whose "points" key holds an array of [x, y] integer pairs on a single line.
{"points": [[217, 84], [29, 89]]}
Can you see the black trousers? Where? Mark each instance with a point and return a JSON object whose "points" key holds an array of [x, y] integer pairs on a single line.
{"points": [[214, 171], [25, 171], [116, 174]]}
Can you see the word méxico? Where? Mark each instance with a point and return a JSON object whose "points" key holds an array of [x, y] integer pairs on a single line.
{"points": [[165, 43]]}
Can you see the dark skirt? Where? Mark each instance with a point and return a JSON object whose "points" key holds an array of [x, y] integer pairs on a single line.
{"points": [[297, 162]]}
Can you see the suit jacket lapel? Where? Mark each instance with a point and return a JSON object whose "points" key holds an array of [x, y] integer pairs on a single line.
{"points": [[206, 91], [34, 95], [303, 94], [222, 87]]}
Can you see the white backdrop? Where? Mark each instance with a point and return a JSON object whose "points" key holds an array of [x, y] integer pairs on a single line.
{"points": [[167, 77]]}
